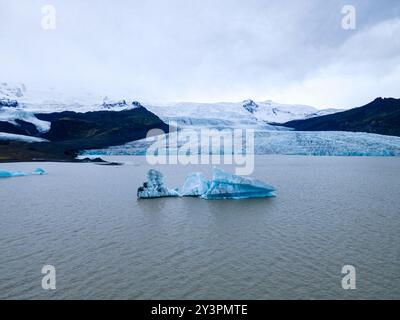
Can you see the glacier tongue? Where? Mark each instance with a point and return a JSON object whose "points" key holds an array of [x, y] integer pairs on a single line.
{"points": [[20, 137], [11, 114], [229, 186]]}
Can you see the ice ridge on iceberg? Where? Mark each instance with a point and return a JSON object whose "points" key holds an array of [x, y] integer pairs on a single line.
{"points": [[195, 185], [229, 186], [154, 187], [11, 174]]}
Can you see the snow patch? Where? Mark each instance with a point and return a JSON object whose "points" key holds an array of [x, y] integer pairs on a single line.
{"points": [[20, 137]]}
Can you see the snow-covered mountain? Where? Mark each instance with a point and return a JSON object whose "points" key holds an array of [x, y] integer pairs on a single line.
{"points": [[274, 112], [224, 114], [248, 113], [37, 100], [17, 103]]}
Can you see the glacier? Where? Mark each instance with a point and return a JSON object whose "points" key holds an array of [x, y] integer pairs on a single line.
{"points": [[237, 114], [154, 187], [225, 185], [11, 114], [11, 174], [19, 103], [284, 142], [195, 185]]}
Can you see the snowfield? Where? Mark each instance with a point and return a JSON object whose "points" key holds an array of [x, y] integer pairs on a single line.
{"points": [[246, 113], [19, 137]]}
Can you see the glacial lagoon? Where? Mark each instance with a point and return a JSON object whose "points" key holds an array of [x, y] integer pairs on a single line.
{"points": [[85, 220]]}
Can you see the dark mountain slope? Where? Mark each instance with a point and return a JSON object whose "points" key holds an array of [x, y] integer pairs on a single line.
{"points": [[381, 116], [100, 129], [72, 132]]}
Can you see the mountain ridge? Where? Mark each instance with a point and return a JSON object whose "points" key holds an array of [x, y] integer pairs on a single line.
{"points": [[71, 132], [380, 116]]}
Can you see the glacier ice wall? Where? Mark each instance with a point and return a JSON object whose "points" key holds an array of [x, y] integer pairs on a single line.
{"points": [[311, 143]]}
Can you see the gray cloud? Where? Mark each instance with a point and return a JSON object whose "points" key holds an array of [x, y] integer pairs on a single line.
{"points": [[206, 50]]}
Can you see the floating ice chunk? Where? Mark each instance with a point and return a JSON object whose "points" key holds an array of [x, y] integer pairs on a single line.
{"points": [[39, 171], [195, 185], [228, 186], [10, 174], [154, 187]]}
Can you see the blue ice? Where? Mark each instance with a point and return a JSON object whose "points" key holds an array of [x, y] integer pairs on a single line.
{"points": [[225, 185], [195, 185], [11, 174]]}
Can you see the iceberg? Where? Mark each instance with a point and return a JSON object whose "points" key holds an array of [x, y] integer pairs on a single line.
{"points": [[223, 186], [11, 174], [154, 187], [229, 186], [39, 171], [195, 185]]}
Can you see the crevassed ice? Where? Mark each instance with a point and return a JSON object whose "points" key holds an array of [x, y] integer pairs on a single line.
{"points": [[314, 143]]}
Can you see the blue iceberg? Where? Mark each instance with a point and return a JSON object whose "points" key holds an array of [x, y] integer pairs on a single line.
{"points": [[229, 186], [11, 174], [195, 185], [154, 187], [39, 171], [223, 186]]}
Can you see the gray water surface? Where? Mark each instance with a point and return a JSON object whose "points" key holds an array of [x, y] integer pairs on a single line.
{"points": [[85, 220]]}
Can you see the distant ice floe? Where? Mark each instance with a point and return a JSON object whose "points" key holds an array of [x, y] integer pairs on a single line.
{"points": [[20, 137], [11, 174], [223, 185]]}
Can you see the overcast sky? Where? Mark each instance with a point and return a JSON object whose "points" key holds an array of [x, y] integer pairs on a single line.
{"points": [[291, 51]]}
